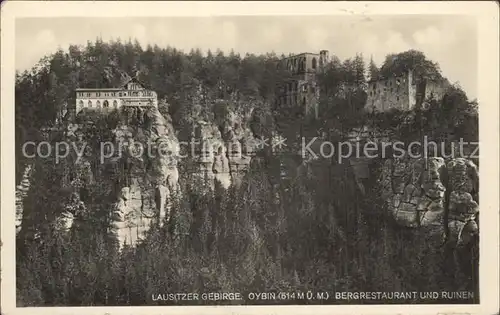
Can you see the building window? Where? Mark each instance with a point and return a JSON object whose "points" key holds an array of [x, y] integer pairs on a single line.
{"points": [[88, 94], [314, 63], [105, 104], [115, 104], [90, 104], [80, 104], [304, 100], [397, 98], [120, 94], [98, 104]]}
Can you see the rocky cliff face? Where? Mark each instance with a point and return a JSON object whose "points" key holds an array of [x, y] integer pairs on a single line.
{"points": [[21, 192], [145, 164], [150, 155], [225, 150], [143, 170], [434, 194], [138, 167]]}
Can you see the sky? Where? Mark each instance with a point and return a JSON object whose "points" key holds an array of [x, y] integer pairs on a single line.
{"points": [[450, 40]]}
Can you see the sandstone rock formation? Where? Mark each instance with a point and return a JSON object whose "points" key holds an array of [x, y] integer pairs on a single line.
{"points": [[225, 148], [136, 209], [78, 178], [463, 207], [21, 192], [145, 158], [144, 200], [240, 144], [415, 193]]}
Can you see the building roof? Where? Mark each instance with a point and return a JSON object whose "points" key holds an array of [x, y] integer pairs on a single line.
{"points": [[123, 82], [98, 89], [133, 79], [301, 54]]}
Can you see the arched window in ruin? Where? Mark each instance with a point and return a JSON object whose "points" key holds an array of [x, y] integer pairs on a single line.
{"points": [[90, 104], [115, 104], [302, 64], [98, 104], [314, 63], [81, 104], [105, 104]]}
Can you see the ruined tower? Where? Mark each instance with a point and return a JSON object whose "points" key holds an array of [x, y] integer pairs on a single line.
{"points": [[323, 58]]}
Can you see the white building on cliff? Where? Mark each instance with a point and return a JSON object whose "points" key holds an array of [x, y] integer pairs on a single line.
{"points": [[132, 93]]}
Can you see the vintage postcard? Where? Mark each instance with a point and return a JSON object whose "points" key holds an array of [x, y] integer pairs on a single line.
{"points": [[249, 157]]}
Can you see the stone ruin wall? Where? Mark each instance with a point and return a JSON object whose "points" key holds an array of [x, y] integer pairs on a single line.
{"points": [[391, 93], [401, 92], [434, 90]]}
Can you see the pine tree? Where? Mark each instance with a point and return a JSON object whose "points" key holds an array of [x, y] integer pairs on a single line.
{"points": [[373, 71], [359, 70]]}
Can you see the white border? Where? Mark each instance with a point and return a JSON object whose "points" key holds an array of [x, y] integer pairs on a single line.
{"points": [[488, 90]]}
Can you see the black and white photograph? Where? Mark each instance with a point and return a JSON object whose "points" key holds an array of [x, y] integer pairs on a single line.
{"points": [[257, 159]]}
